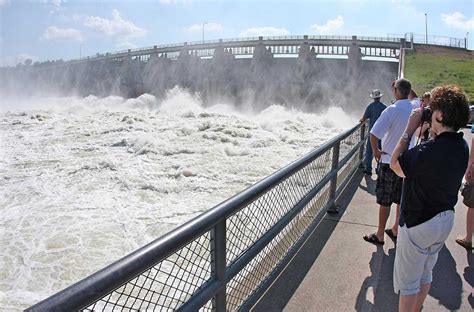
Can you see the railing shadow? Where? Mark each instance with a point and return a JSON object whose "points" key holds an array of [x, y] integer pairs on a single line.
{"points": [[285, 286]]}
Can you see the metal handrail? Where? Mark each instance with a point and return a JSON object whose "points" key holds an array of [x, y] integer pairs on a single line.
{"points": [[103, 282]]}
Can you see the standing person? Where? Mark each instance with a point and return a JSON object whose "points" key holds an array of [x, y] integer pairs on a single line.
{"points": [[433, 173], [388, 128], [414, 99], [372, 113], [466, 241], [425, 100], [423, 132]]}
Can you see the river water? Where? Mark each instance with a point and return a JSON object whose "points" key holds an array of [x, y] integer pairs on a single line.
{"points": [[84, 181]]}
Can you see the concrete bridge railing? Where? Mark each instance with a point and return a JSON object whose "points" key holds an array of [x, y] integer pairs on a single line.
{"points": [[328, 45], [226, 258]]}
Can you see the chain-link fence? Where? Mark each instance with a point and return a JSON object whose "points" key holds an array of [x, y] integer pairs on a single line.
{"points": [[226, 258]]}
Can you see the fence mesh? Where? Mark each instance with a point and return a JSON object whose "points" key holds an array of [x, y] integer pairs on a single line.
{"points": [[174, 280], [167, 285]]}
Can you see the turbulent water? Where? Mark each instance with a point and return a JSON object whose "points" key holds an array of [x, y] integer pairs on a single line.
{"points": [[84, 181]]}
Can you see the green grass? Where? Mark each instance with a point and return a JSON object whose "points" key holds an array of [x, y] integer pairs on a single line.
{"points": [[426, 71]]}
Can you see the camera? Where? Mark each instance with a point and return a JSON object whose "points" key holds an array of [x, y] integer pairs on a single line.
{"points": [[426, 115]]}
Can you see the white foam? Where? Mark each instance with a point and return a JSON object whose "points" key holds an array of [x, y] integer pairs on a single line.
{"points": [[86, 181]]}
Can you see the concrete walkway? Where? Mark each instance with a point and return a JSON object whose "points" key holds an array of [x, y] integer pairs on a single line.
{"points": [[336, 270]]}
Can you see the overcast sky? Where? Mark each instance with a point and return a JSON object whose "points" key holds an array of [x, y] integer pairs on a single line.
{"points": [[56, 29]]}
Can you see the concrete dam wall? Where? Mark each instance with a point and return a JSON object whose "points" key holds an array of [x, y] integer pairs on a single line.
{"points": [[303, 81]]}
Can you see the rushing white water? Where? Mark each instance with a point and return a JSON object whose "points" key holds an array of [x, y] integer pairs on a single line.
{"points": [[85, 181]]}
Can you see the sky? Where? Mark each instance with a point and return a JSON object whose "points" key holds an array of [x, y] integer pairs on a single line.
{"points": [[43, 30]]}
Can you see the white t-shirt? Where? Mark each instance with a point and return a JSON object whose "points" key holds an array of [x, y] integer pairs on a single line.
{"points": [[390, 127], [415, 103]]}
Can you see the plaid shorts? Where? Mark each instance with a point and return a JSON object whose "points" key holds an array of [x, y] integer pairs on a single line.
{"points": [[388, 189]]}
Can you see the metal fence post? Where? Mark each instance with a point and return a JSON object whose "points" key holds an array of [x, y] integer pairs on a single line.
{"points": [[333, 185], [362, 138], [218, 263]]}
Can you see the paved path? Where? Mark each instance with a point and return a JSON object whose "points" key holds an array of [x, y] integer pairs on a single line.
{"points": [[336, 270]]}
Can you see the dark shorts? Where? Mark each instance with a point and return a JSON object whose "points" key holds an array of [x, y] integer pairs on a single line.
{"points": [[388, 189]]}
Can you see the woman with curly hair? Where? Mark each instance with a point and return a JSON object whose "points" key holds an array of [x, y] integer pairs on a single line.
{"points": [[432, 173]]}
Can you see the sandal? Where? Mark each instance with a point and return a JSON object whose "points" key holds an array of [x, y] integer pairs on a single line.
{"points": [[372, 238], [461, 241], [390, 234]]}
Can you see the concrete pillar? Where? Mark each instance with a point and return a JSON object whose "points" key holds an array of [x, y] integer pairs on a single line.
{"points": [[354, 58]]}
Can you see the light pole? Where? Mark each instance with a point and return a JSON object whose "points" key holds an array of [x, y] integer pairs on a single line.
{"points": [[203, 23], [426, 28], [467, 37]]}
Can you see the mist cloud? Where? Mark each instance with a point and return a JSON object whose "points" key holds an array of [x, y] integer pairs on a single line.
{"points": [[458, 20], [330, 26], [56, 33], [116, 26], [264, 31], [21, 58]]}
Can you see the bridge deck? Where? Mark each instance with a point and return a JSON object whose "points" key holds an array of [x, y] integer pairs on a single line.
{"points": [[336, 270]]}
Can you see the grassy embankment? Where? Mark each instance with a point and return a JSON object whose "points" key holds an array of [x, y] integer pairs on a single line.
{"points": [[429, 68]]}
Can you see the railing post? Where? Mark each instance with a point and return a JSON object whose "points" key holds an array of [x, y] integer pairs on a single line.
{"points": [[362, 138], [218, 263], [332, 187]]}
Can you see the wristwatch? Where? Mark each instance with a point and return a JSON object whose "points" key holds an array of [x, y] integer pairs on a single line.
{"points": [[406, 137]]}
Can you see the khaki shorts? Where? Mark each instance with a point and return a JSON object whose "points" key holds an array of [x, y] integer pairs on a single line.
{"points": [[417, 252]]}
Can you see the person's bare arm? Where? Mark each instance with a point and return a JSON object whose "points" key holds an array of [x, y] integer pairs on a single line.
{"points": [[402, 145], [470, 167], [375, 147]]}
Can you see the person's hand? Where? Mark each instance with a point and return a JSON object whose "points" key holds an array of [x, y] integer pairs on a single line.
{"points": [[377, 154], [413, 121], [469, 173]]}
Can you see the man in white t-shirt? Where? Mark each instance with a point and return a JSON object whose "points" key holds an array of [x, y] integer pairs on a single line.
{"points": [[389, 128]]}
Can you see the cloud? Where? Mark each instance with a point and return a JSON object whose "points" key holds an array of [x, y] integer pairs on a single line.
{"points": [[458, 20], [403, 2], [55, 33], [208, 27], [330, 26], [56, 3], [264, 31], [126, 45], [3, 2], [167, 2], [116, 26]]}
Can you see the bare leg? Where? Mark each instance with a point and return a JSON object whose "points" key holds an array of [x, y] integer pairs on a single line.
{"points": [[413, 303], [407, 303], [425, 288], [469, 224], [384, 213], [395, 222]]}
